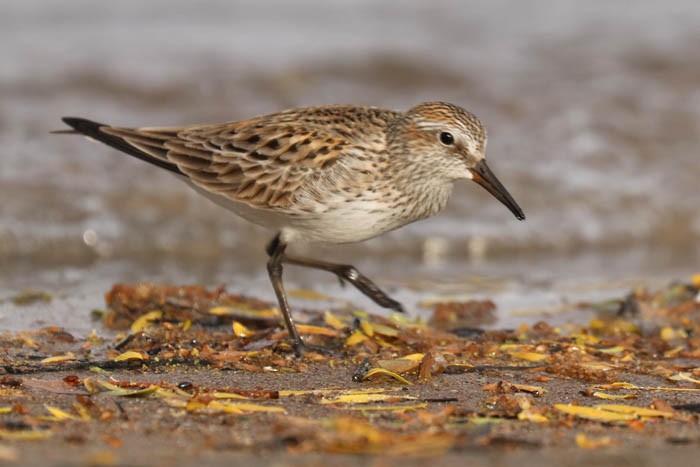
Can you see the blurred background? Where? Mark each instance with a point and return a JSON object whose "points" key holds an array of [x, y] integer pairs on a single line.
{"points": [[593, 111]]}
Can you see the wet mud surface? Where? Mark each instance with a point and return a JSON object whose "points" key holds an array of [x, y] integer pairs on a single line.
{"points": [[193, 373]]}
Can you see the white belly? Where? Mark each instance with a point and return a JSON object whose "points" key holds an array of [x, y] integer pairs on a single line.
{"points": [[348, 222], [339, 220], [353, 221]]}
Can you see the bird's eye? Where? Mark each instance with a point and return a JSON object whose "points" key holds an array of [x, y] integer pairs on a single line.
{"points": [[446, 138]]}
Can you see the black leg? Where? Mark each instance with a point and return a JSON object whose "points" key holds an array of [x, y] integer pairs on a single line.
{"points": [[352, 275], [274, 268]]}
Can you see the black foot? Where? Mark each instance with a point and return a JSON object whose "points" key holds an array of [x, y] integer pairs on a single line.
{"points": [[344, 272], [367, 287], [299, 348], [321, 349]]}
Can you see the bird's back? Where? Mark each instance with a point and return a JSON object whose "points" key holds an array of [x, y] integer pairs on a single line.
{"points": [[262, 161]]}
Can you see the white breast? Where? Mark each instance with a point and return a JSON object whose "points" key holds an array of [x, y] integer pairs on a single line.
{"points": [[338, 219]]}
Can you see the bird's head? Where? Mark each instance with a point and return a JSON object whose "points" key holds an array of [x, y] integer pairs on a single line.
{"points": [[452, 139]]}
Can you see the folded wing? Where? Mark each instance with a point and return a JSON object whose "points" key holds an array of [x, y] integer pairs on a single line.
{"points": [[261, 162]]}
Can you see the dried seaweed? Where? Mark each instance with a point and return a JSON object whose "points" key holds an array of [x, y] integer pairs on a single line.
{"points": [[394, 386]]}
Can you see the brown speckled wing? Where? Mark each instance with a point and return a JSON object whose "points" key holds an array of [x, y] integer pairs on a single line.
{"points": [[261, 161]]}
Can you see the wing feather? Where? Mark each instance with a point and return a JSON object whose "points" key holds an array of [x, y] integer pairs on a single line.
{"points": [[262, 161]]}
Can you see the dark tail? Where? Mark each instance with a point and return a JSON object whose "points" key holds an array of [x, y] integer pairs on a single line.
{"points": [[94, 130]]}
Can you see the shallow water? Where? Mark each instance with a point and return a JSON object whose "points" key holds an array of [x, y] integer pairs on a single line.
{"points": [[593, 116]]}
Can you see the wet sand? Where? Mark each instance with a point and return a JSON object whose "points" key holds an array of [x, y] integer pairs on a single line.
{"points": [[163, 438], [191, 373]]}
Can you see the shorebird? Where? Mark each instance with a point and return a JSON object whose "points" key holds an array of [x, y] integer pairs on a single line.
{"points": [[333, 174]]}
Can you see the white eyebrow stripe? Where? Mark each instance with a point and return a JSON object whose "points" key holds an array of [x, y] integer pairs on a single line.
{"points": [[428, 125], [459, 133]]}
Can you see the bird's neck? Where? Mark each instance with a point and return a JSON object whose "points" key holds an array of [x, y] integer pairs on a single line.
{"points": [[422, 194]]}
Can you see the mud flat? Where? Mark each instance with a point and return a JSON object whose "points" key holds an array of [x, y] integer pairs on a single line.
{"points": [[189, 373]]}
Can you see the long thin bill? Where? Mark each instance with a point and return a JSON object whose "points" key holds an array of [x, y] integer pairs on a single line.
{"points": [[484, 177]]}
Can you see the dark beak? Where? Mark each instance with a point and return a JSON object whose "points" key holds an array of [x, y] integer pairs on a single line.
{"points": [[484, 177]]}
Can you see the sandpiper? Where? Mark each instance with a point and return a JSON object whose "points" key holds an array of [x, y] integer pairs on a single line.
{"points": [[334, 174]]}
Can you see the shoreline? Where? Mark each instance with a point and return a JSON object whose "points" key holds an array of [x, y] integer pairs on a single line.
{"points": [[182, 377]]}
